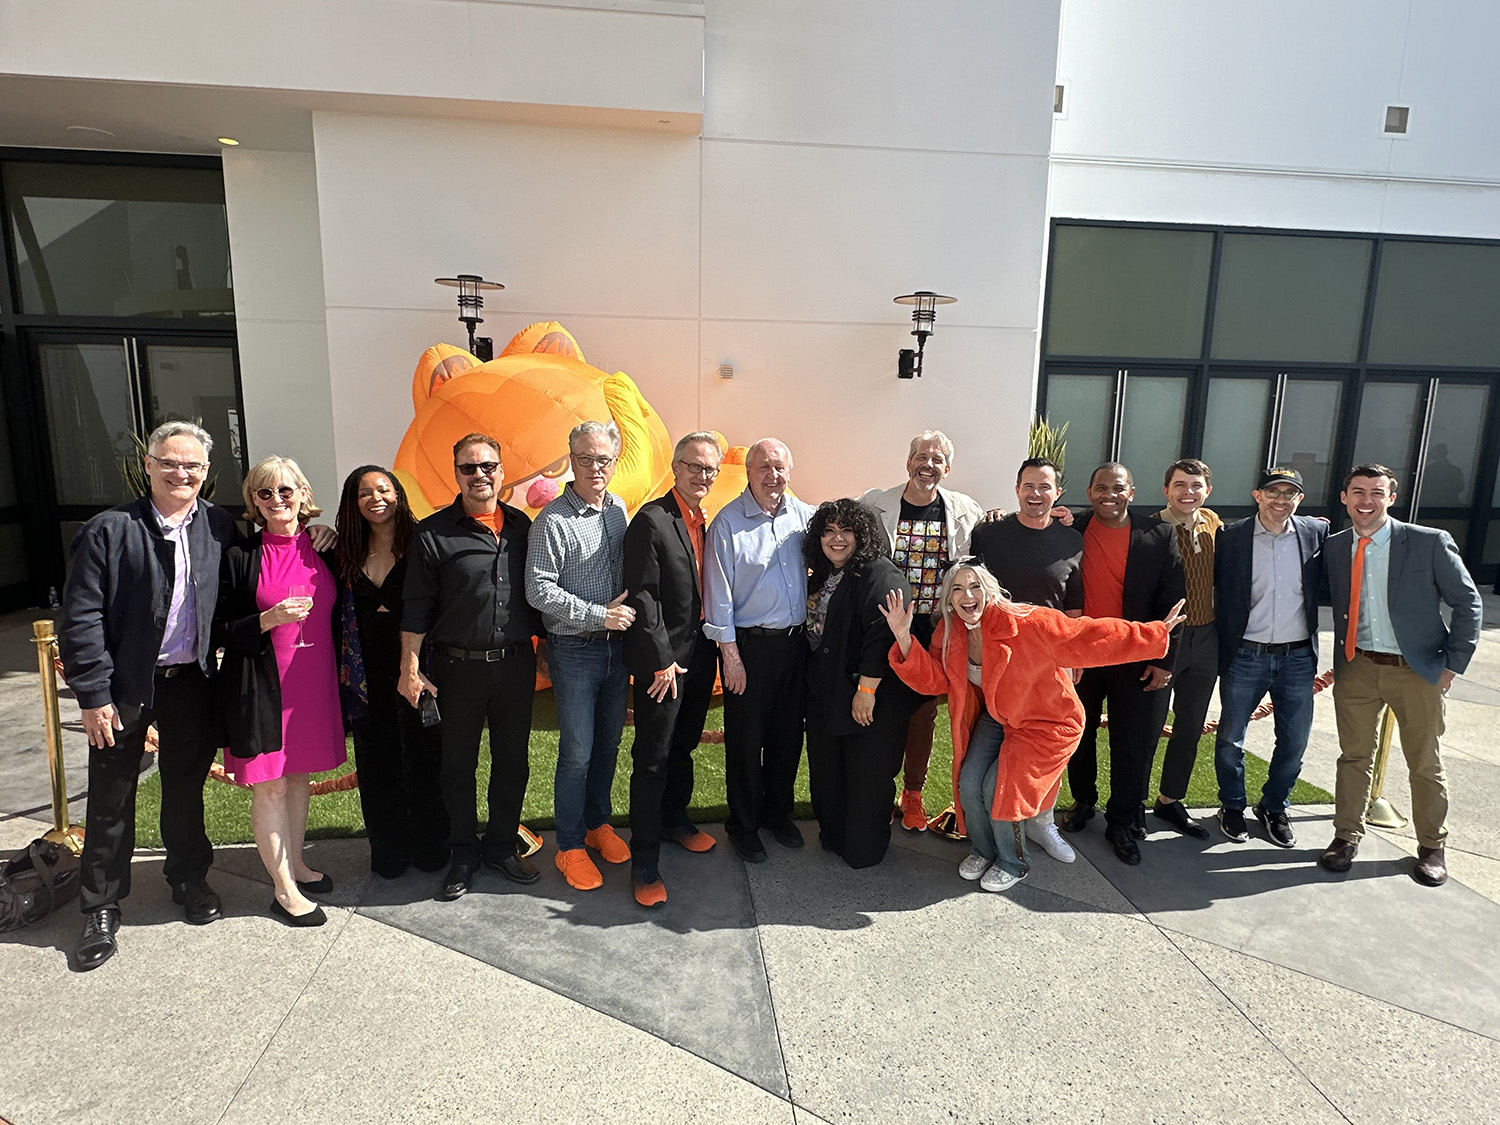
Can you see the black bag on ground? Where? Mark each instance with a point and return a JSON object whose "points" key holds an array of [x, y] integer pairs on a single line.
{"points": [[34, 882]]}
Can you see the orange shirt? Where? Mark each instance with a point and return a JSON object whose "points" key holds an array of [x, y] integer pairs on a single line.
{"points": [[693, 515], [493, 520], [1104, 552]]}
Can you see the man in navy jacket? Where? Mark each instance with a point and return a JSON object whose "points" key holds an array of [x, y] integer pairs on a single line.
{"points": [[1268, 571]]}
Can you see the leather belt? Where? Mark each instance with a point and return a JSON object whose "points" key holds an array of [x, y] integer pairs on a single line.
{"points": [[763, 631], [596, 635], [1392, 659], [167, 671], [490, 655], [1280, 648]]}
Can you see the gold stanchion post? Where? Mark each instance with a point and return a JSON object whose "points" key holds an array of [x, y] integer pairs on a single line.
{"points": [[1381, 813], [63, 833]]}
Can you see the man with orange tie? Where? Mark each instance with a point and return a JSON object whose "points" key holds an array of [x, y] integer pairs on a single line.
{"points": [[1388, 580], [673, 663]]}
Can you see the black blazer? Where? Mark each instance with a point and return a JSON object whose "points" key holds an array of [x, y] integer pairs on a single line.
{"points": [[116, 597], [1234, 565], [661, 574], [1154, 581], [248, 688], [857, 642]]}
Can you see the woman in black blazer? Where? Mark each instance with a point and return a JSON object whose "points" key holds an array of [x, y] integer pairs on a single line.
{"points": [[857, 709]]}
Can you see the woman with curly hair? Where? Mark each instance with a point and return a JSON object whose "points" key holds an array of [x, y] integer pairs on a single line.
{"points": [[857, 710], [398, 758], [1015, 715]]}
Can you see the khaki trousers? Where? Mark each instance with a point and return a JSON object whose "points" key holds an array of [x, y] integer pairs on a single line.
{"points": [[1360, 690]]}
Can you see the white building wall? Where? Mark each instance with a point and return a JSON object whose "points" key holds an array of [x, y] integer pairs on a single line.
{"points": [[1271, 114]]}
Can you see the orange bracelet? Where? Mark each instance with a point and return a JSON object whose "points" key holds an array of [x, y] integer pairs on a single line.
{"points": [[867, 690]]}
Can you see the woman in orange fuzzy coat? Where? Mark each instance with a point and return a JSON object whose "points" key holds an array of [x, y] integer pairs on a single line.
{"points": [[1009, 681]]}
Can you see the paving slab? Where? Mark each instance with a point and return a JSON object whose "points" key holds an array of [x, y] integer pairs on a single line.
{"points": [[163, 1033], [689, 972], [1374, 931], [25, 778], [394, 1029], [950, 1004], [1376, 1062]]}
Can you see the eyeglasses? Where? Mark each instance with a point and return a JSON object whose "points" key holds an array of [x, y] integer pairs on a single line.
{"points": [[487, 468], [192, 468], [286, 492], [590, 461], [1280, 493], [707, 472]]}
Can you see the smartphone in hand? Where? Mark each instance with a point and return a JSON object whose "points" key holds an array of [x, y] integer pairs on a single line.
{"points": [[427, 709]]}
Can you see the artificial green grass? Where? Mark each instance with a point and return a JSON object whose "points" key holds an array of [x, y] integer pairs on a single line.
{"points": [[333, 815]]}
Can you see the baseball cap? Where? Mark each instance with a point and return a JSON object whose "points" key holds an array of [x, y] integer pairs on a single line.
{"points": [[1280, 476]]}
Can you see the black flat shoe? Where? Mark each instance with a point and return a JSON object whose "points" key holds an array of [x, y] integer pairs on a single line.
{"points": [[1122, 839], [457, 882], [1175, 814], [786, 833], [200, 905], [97, 944], [314, 917], [320, 886], [516, 868], [1073, 820], [749, 848]]}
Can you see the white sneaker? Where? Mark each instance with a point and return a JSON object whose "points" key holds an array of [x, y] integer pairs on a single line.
{"points": [[973, 867], [997, 879], [1041, 830]]}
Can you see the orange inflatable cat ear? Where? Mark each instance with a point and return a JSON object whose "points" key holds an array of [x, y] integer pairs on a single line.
{"points": [[438, 364], [544, 336]]}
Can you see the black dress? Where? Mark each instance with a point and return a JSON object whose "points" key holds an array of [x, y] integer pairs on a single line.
{"points": [[398, 759]]}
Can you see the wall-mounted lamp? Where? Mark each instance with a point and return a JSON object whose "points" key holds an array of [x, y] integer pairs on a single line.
{"points": [[470, 286], [924, 316]]}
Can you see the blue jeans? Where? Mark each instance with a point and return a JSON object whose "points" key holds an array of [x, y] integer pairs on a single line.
{"points": [[1289, 680], [999, 841], [590, 684]]}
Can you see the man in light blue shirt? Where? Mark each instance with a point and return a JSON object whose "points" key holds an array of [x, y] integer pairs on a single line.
{"points": [[755, 603]]}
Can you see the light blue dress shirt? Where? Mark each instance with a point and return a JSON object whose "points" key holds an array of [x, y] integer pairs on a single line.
{"points": [[755, 574], [1375, 632], [179, 641], [1278, 614]]}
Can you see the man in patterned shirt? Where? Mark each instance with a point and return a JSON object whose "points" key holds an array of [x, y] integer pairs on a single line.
{"points": [[575, 577], [930, 527]]}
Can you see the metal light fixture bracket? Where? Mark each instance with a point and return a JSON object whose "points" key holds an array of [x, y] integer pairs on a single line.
{"points": [[924, 316], [470, 288]]}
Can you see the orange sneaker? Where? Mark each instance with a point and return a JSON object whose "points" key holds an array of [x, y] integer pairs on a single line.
{"points": [[650, 894], [610, 847], [694, 840], [913, 815], [579, 870]]}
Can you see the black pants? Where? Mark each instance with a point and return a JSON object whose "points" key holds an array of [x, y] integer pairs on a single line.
{"points": [[763, 732], [666, 734], [853, 781], [1192, 687], [183, 711], [400, 763], [471, 693], [1135, 721]]}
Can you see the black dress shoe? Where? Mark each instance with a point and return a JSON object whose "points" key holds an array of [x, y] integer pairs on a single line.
{"points": [[1176, 814], [431, 858], [749, 848], [1138, 823], [1278, 827], [314, 917], [200, 905], [96, 944], [516, 868], [1338, 856], [786, 833], [1073, 820], [390, 868], [1123, 840], [319, 886], [457, 882]]}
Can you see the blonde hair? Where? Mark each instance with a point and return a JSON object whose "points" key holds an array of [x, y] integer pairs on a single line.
{"points": [[267, 473], [994, 594]]}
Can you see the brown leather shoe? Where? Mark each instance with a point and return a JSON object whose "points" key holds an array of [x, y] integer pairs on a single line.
{"points": [[1432, 867], [1339, 855]]}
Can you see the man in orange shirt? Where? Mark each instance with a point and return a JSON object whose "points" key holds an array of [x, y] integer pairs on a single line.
{"points": [[1131, 569]]}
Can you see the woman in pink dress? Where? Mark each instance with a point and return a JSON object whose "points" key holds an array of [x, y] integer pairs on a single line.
{"points": [[278, 684]]}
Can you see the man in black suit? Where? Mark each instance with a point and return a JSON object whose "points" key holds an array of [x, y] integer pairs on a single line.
{"points": [[1268, 575], [673, 663], [1131, 569], [137, 607]]}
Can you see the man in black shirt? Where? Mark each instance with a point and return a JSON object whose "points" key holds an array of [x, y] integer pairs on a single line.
{"points": [[466, 590], [1036, 558]]}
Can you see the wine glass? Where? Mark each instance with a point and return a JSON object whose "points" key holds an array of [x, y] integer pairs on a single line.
{"points": [[301, 596]]}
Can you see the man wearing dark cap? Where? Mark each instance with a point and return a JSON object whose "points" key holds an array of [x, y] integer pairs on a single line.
{"points": [[1268, 570]]}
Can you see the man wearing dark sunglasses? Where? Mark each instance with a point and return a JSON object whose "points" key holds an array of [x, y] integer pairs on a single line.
{"points": [[465, 594]]}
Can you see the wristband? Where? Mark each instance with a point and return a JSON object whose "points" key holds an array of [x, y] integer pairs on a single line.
{"points": [[867, 690]]}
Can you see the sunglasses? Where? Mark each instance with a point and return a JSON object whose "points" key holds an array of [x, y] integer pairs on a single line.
{"points": [[488, 468], [286, 492]]}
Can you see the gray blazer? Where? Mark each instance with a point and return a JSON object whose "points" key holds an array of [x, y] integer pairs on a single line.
{"points": [[1425, 571]]}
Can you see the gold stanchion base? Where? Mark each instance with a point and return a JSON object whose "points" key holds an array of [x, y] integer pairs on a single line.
{"points": [[1383, 814], [70, 838]]}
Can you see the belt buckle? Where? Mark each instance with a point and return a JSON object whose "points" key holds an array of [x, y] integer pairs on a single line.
{"points": [[493, 655]]}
